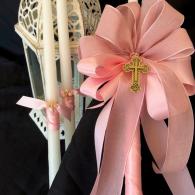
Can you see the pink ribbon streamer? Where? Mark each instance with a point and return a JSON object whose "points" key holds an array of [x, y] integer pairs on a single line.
{"points": [[154, 32]]}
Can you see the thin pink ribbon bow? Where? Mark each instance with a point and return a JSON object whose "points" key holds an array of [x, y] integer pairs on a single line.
{"points": [[67, 104], [152, 31], [52, 111]]}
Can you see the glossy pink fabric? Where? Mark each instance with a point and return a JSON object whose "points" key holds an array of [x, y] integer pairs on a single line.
{"points": [[53, 119], [154, 32], [67, 103]]}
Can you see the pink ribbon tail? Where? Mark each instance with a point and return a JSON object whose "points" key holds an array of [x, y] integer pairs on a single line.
{"points": [[120, 133], [171, 145], [32, 103], [180, 182]]}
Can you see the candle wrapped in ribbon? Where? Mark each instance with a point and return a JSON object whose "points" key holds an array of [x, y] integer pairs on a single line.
{"points": [[138, 64], [53, 109]]}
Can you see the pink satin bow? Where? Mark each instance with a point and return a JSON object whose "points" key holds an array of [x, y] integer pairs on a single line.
{"points": [[52, 110], [153, 31], [67, 103]]}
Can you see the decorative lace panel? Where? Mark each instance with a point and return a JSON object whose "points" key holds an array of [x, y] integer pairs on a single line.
{"points": [[83, 17]]}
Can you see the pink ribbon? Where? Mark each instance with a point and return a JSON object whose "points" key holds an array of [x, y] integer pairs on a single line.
{"points": [[153, 32], [67, 104], [52, 110]]}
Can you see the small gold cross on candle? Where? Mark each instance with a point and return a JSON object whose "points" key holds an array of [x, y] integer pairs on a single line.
{"points": [[136, 66]]}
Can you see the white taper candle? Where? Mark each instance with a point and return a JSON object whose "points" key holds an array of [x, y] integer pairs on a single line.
{"points": [[50, 73], [65, 61]]}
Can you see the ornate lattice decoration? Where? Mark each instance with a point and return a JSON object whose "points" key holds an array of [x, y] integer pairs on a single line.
{"points": [[83, 19], [91, 12]]}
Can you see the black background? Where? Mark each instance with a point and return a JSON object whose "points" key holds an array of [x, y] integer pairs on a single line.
{"points": [[23, 149]]}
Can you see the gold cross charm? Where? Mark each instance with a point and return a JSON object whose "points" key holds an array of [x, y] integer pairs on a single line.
{"points": [[136, 66]]}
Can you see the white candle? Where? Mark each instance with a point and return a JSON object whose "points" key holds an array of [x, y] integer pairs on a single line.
{"points": [[49, 53], [65, 60], [54, 156], [64, 45]]}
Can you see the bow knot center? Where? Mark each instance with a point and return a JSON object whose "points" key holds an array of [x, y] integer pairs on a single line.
{"points": [[136, 66]]}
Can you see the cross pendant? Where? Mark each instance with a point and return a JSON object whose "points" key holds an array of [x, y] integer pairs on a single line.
{"points": [[136, 66]]}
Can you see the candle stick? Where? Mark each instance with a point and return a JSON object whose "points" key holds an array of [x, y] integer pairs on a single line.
{"points": [[133, 167], [65, 61], [54, 156]]}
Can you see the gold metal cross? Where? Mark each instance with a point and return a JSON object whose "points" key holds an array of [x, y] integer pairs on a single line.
{"points": [[136, 66]]}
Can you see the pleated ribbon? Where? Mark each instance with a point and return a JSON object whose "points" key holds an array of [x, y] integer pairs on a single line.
{"points": [[152, 31]]}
